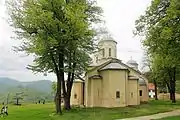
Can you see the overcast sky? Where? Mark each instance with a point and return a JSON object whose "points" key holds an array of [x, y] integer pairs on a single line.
{"points": [[120, 16]]}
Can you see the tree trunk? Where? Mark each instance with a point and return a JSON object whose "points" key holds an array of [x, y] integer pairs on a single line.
{"points": [[17, 101], [170, 92], [69, 84], [58, 104], [60, 76], [169, 89], [174, 86], [58, 95], [58, 67], [172, 82], [67, 105], [173, 97], [155, 85]]}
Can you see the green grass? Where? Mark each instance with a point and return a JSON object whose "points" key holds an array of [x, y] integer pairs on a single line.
{"points": [[46, 112], [171, 118]]}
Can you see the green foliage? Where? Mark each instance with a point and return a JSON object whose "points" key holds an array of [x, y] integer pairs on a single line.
{"points": [[46, 26], [58, 33], [161, 27]]}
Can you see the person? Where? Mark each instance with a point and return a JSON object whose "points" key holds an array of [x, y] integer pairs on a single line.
{"points": [[4, 110]]}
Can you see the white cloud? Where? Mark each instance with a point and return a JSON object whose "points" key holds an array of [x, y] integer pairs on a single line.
{"points": [[120, 16]]}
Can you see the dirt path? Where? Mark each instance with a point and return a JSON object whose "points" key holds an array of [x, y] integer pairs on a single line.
{"points": [[155, 116]]}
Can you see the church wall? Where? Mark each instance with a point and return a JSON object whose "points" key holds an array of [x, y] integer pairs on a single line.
{"points": [[133, 92], [104, 46], [114, 90], [88, 93], [77, 94], [105, 88], [96, 92], [144, 88], [145, 93], [137, 74]]}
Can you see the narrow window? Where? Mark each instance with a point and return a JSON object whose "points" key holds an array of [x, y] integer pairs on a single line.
{"points": [[109, 52], [75, 96], [132, 94], [103, 52], [96, 59], [117, 94], [140, 92]]}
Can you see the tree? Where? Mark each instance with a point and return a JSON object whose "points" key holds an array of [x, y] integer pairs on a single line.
{"points": [[18, 97], [160, 26], [59, 34], [150, 74]]}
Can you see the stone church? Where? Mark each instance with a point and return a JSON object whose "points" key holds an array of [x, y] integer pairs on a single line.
{"points": [[109, 82]]}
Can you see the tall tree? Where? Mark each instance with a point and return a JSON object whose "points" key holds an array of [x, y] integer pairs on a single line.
{"points": [[57, 33], [160, 27]]}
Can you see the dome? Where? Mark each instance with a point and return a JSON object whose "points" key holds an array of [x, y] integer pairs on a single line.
{"points": [[142, 81], [107, 37], [132, 62]]}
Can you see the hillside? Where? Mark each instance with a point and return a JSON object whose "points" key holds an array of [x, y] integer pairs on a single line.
{"points": [[32, 90]]}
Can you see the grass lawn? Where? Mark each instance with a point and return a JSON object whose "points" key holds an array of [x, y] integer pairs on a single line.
{"points": [[45, 112], [171, 118]]}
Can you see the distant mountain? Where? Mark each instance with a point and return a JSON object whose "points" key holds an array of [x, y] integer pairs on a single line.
{"points": [[32, 91], [8, 81], [41, 85], [8, 85]]}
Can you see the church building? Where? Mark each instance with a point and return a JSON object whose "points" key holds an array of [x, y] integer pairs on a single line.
{"points": [[109, 82]]}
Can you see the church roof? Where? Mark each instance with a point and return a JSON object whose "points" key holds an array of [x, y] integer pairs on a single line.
{"points": [[133, 77], [142, 81], [113, 66], [151, 86], [113, 60], [114, 63], [95, 77]]}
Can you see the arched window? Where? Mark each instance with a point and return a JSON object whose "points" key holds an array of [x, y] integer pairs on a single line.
{"points": [[109, 52], [75, 96], [140, 93], [117, 94], [132, 94]]}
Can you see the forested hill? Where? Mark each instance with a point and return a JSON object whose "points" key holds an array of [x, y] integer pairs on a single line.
{"points": [[32, 90], [7, 83]]}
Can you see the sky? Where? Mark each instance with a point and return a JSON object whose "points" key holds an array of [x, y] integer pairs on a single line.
{"points": [[119, 15]]}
